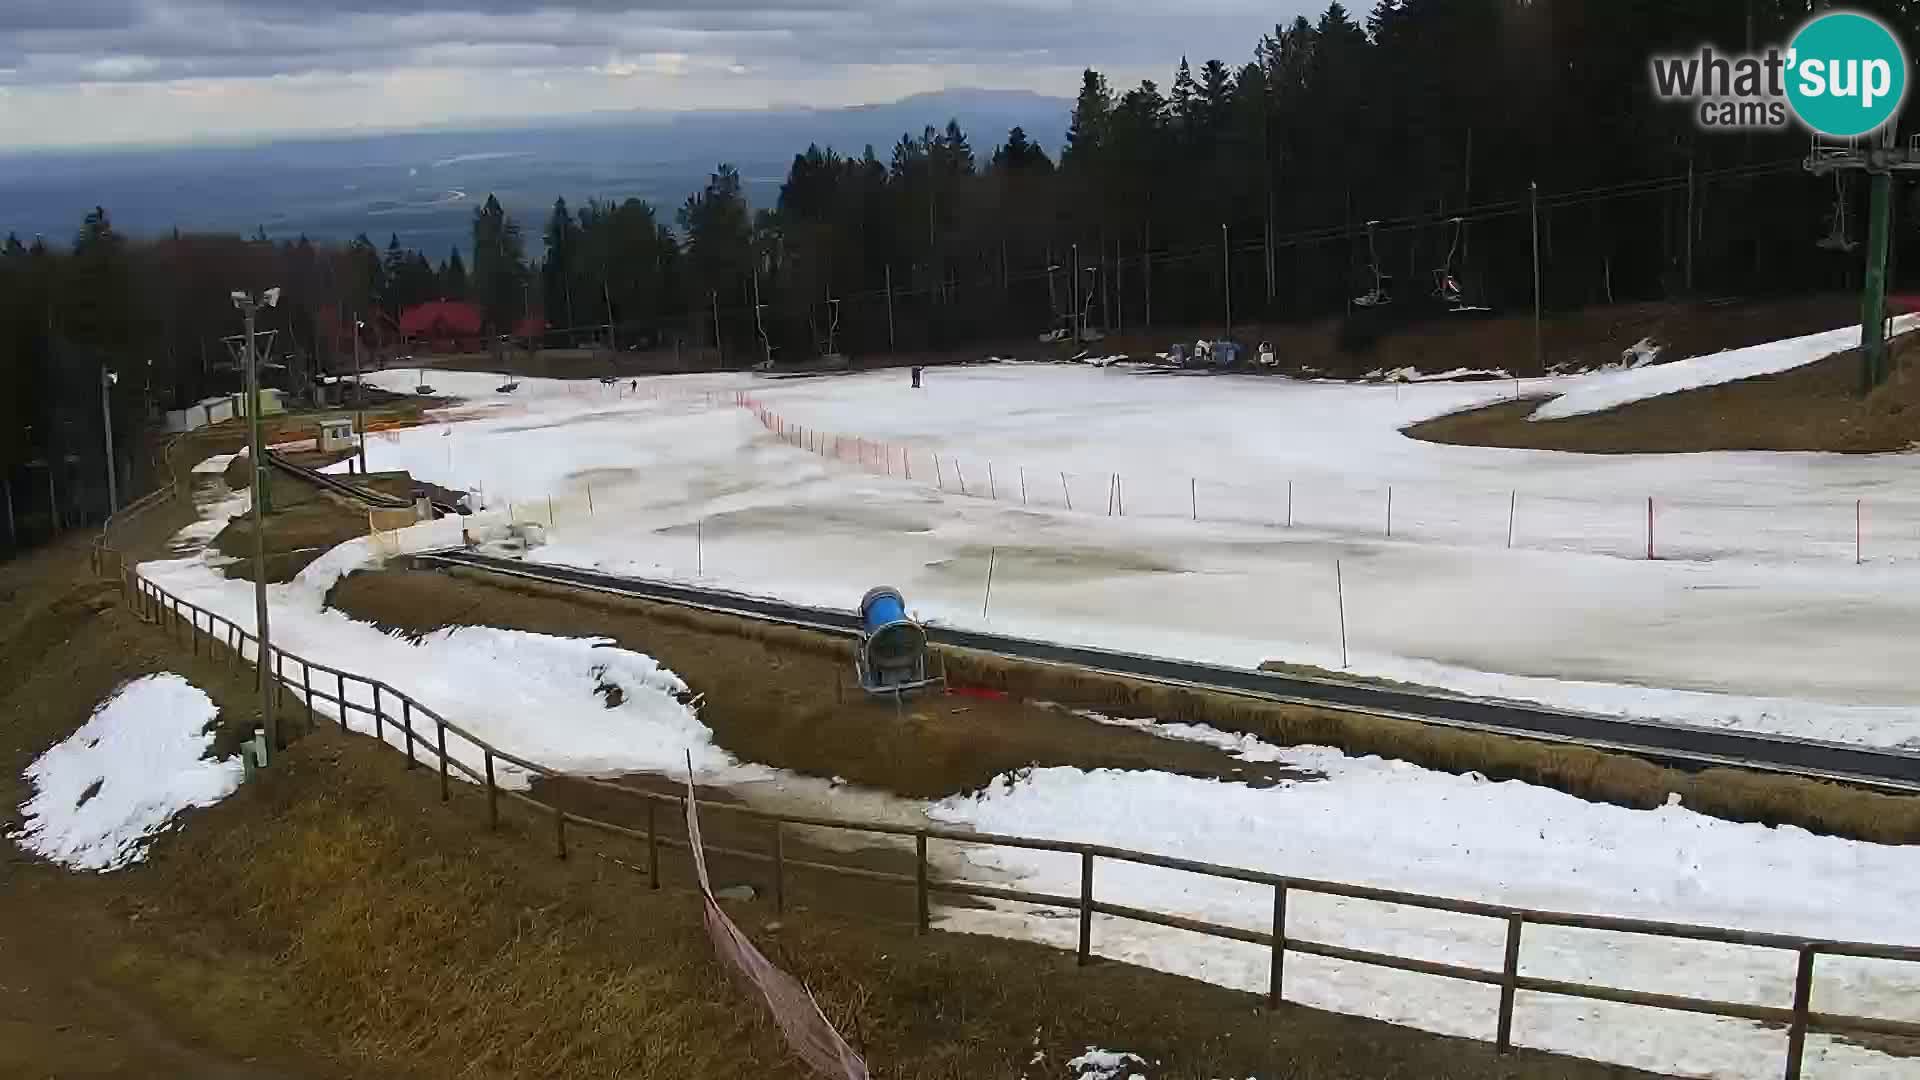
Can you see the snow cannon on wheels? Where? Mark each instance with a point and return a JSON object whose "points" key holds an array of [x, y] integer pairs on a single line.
{"points": [[892, 655]]}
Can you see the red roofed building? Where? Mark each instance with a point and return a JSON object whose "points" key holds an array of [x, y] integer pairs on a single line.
{"points": [[458, 326], [443, 326]]}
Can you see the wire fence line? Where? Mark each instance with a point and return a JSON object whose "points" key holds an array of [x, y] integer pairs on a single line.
{"points": [[1646, 526], [358, 703], [1664, 526]]}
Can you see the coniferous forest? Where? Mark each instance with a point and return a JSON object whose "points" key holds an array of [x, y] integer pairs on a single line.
{"points": [[1342, 154]]}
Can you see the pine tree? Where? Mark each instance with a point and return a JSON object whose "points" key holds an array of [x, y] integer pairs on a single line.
{"points": [[499, 266], [96, 302], [1092, 111], [361, 276], [393, 277], [953, 154], [557, 272], [719, 236], [1020, 155], [1216, 92], [453, 277], [1184, 98]]}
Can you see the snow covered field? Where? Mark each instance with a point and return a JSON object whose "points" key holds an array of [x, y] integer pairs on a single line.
{"points": [[101, 794], [687, 487], [789, 521], [1500, 842]]}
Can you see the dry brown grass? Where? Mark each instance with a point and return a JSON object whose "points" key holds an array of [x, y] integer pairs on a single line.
{"points": [[1621, 779], [1815, 407], [798, 710], [1735, 794]]}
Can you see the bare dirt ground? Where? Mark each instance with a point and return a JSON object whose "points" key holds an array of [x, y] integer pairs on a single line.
{"points": [[1816, 407], [336, 919]]}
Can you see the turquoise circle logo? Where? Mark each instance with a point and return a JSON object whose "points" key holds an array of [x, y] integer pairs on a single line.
{"points": [[1848, 74]]}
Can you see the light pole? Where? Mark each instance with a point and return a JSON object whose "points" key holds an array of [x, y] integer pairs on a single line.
{"points": [[1226, 275], [249, 307], [107, 379], [359, 394]]}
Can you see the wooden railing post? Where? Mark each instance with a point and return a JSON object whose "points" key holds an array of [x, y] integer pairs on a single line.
{"points": [[560, 832], [406, 721], [493, 795], [779, 867], [306, 689], [340, 687], [1086, 906], [440, 736], [920, 918], [379, 729], [1509, 975], [1802, 1001], [1277, 963], [653, 847]]}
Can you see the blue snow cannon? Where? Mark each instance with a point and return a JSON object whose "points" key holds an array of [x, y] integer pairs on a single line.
{"points": [[892, 655]]}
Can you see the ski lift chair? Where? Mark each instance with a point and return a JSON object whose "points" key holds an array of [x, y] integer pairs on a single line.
{"points": [[1380, 295], [1446, 287], [1837, 238], [891, 659], [1382, 292]]}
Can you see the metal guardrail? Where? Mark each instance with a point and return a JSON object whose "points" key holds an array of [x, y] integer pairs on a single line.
{"points": [[337, 485], [1683, 744], [426, 729]]}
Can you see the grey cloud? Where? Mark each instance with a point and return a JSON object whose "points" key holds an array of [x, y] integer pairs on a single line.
{"points": [[24, 15], [160, 40]]}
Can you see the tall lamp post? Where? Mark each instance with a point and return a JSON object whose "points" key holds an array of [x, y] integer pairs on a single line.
{"points": [[249, 307], [359, 395], [107, 379]]}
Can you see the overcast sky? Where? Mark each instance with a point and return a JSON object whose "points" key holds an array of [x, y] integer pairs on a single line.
{"points": [[75, 72]]}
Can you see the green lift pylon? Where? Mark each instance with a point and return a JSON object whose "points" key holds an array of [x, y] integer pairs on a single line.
{"points": [[1873, 299], [1878, 156]]}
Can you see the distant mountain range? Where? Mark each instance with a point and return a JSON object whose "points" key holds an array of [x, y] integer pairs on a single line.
{"points": [[423, 185]]}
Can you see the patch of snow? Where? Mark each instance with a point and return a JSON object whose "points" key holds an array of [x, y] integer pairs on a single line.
{"points": [[1640, 353], [1603, 390], [1396, 826], [1414, 375], [1098, 1064], [103, 793]]}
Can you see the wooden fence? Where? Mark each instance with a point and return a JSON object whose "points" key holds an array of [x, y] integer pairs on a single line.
{"points": [[424, 734]]}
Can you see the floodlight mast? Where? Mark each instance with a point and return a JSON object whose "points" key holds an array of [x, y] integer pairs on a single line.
{"points": [[107, 380], [359, 396], [249, 308]]}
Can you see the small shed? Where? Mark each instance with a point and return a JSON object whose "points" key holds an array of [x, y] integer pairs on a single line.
{"points": [[336, 435]]}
